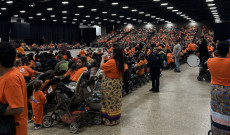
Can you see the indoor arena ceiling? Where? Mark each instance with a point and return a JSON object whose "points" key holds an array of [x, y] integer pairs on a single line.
{"points": [[116, 11]]}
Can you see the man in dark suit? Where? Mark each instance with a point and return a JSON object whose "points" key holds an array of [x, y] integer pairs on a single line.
{"points": [[155, 66]]}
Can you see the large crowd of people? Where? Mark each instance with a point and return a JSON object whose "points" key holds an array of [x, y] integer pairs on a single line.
{"points": [[128, 60]]}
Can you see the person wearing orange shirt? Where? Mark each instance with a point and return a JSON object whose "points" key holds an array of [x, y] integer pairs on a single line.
{"points": [[82, 52], [210, 49], [111, 87], [25, 70], [72, 71], [140, 63], [19, 48], [38, 101], [13, 90], [49, 90], [220, 91], [81, 67]]}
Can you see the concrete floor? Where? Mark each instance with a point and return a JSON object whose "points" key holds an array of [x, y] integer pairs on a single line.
{"points": [[181, 108]]}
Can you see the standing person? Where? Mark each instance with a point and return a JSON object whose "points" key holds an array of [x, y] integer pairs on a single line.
{"points": [[203, 50], [112, 87], [220, 91], [176, 55], [155, 66], [13, 88], [38, 102]]}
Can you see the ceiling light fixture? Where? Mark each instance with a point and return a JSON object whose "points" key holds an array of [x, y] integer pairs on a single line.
{"points": [[23, 11], [15, 15], [164, 4], [93, 10], [49, 9], [170, 8], [211, 5], [77, 14], [141, 13], [39, 14], [121, 16], [65, 2], [64, 12], [81, 6], [3, 9], [75, 19], [156, 0], [209, 0], [9, 2], [115, 3], [54, 20], [64, 17], [175, 10], [88, 16], [134, 10], [125, 7], [104, 12], [30, 17], [113, 14], [43, 19]]}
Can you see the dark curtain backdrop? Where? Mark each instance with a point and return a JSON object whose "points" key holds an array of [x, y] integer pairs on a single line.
{"points": [[20, 30], [89, 35], [55, 32], [109, 29], [221, 31], [4, 28]]}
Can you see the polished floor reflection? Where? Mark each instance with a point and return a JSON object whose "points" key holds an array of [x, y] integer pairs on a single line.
{"points": [[181, 108]]}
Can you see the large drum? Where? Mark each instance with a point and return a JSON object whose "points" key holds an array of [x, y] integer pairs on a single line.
{"points": [[193, 60]]}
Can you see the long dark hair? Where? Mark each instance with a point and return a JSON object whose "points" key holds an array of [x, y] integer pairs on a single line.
{"points": [[119, 57]]}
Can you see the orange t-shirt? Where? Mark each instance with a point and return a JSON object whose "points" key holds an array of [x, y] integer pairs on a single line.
{"points": [[65, 57], [111, 70], [141, 62], [13, 91], [20, 50], [26, 71], [32, 64], [78, 73], [38, 102], [69, 72], [110, 50], [82, 53], [126, 67], [220, 75], [46, 91]]}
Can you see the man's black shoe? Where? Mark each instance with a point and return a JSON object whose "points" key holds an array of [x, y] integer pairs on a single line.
{"points": [[155, 91]]}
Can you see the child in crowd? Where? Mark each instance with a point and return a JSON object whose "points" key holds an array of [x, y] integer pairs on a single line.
{"points": [[38, 102], [50, 76]]}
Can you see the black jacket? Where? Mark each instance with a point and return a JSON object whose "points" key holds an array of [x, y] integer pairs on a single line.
{"points": [[155, 61]]}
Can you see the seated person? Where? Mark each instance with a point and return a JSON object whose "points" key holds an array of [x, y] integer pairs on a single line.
{"points": [[50, 76], [72, 71], [81, 67], [170, 59], [25, 70], [62, 65], [141, 62]]}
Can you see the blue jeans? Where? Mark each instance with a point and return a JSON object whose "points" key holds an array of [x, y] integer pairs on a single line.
{"points": [[177, 62]]}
